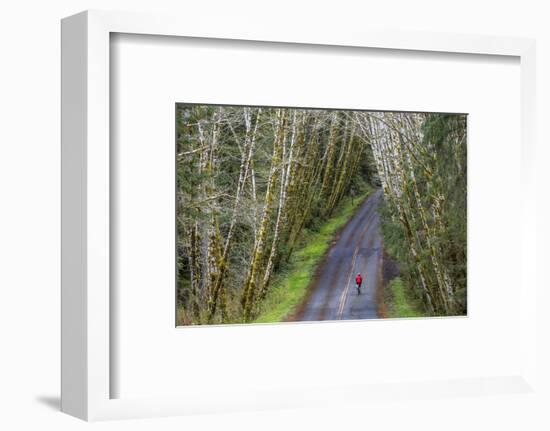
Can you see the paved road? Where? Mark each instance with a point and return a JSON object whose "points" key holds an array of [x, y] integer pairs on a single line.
{"points": [[358, 248]]}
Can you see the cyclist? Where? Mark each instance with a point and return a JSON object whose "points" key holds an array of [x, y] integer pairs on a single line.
{"points": [[358, 282]]}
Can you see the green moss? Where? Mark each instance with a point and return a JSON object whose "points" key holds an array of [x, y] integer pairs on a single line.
{"points": [[290, 287], [399, 302]]}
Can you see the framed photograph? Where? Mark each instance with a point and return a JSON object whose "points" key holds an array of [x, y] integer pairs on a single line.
{"points": [[251, 216]]}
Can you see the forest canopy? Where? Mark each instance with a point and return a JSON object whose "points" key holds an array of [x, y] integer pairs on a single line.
{"points": [[252, 181]]}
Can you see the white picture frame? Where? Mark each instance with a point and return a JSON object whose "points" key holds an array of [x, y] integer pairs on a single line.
{"points": [[86, 312]]}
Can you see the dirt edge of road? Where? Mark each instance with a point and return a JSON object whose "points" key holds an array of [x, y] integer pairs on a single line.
{"points": [[388, 271], [292, 316]]}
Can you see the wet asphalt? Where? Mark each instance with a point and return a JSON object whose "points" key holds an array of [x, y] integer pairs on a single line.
{"points": [[358, 248]]}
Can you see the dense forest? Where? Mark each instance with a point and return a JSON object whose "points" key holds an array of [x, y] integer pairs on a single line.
{"points": [[251, 181], [421, 159]]}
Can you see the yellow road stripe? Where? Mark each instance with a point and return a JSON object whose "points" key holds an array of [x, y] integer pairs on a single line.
{"points": [[344, 295]]}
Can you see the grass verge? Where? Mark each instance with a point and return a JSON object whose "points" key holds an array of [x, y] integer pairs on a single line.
{"points": [[399, 303], [289, 288]]}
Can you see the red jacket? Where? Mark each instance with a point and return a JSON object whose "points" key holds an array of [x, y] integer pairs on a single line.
{"points": [[358, 279]]}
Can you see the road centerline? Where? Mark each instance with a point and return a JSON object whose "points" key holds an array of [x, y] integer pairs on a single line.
{"points": [[344, 295]]}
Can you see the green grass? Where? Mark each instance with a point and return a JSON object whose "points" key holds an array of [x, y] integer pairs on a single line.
{"points": [[400, 304], [290, 287]]}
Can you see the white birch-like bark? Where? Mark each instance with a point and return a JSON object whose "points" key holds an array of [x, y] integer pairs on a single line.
{"points": [[284, 182]]}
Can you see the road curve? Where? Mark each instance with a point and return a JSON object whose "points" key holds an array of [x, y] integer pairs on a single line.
{"points": [[358, 248]]}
